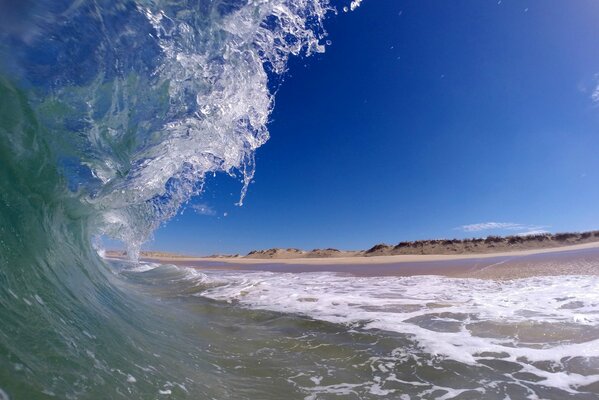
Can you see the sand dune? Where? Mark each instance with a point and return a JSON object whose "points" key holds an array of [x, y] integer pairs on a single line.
{"points": [[404, 252]]}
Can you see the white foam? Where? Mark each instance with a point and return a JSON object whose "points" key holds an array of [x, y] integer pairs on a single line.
{"points": [[528, 320], [38, 299], [143, 267], [342, 389]]}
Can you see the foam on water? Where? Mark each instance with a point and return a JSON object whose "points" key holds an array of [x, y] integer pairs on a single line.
{"points": [[521, 325]]}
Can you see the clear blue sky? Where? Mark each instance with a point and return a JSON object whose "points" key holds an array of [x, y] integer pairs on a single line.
{"points": [[421, 117]]}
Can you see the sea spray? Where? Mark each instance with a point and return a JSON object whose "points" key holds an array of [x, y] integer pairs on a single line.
{"points": [[140, 100]]}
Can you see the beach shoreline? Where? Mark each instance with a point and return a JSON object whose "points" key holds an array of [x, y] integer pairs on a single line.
{"points": [[582, 259], [373, 260]]}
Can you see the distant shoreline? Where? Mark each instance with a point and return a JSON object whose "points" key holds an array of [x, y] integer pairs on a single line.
{"points": [[582, 259], [356, 260], [570, 258], [422, 250]]}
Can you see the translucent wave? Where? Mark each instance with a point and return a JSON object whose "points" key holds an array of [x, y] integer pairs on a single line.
{"points": [[143, 99]]}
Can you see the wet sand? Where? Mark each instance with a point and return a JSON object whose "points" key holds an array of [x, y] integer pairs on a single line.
{"points": [[571, 260]]}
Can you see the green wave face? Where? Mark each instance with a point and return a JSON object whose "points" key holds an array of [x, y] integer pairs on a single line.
{"points": [[111, 114], [68, 324]]}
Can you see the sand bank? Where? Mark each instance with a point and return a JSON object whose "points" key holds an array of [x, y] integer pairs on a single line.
{"points": [[374, 259], [580, 259]]}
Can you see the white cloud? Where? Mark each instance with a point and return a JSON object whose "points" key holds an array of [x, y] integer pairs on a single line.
{"points": [[488, 226], [595, 94], [204, 209], [504, 226], [533, 232]]}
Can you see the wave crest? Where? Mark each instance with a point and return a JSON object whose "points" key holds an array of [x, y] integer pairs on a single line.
{"points": [[149, 97]]}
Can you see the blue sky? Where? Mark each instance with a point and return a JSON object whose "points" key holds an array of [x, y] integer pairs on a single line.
{"points": [[423, 119]]}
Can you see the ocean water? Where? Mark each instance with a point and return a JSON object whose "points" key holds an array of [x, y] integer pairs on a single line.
{"points": [[112, 113], [324, 335]]}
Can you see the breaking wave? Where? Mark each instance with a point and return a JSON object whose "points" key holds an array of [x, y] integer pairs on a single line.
{"points": [[135, 102], [112, 114]]}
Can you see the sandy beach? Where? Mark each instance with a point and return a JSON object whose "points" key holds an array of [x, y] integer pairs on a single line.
{"points": [[582, 259]]}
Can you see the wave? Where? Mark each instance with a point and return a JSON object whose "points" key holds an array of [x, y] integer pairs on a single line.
{"points": [[112, 114], [138, 101]]}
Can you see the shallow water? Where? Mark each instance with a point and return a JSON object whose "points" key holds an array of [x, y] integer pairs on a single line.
{"points": [[162, 331], [327, 335]]}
